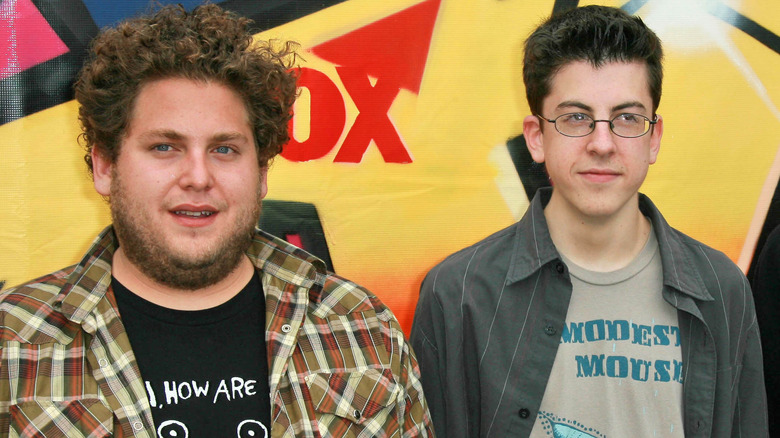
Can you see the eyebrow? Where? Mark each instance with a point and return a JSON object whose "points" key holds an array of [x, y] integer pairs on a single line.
{"points": [[229, 136], [582, 106], [175, 135]]}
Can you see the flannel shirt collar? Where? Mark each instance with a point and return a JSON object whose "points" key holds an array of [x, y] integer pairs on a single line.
{"points": [[91, 277], [533, 247], [287, 262]]}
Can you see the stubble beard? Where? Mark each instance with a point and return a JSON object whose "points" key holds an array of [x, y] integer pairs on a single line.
{"points": [[146, 248]]}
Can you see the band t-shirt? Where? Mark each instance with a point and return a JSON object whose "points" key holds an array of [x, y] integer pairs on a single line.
{"points": [[618, 369], [205, 371]]}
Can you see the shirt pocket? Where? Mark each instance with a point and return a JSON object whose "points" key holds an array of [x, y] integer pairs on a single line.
{"points": [[359, 397], [72, 419]]}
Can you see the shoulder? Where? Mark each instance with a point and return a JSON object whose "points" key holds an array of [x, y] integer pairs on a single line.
{"points": [[489, 257], [722, 292], [31, 305], [341, 296], [329, 293], [37, 293], [692, 266], [498, 244], [713, 265]]}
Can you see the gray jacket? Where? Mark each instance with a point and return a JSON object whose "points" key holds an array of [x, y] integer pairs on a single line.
{"points": [[490, 317]]}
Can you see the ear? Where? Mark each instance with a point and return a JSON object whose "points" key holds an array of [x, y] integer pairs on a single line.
{"points": [[101, 172], [655, 139], [532, 131], [263, 181]]}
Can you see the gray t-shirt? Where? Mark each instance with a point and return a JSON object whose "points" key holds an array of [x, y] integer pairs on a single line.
{"points": [[618, 370]]}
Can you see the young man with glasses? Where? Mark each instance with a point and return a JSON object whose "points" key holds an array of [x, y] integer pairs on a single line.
{"points": [[591, 316]]}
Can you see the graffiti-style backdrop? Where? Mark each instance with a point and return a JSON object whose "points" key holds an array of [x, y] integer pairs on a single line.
{"points": [[407, 140]]}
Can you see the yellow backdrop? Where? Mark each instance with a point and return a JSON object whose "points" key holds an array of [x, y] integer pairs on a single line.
{"points": [[459, 98]]}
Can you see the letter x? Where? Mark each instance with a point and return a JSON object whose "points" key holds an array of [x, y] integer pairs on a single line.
{"points": [[372, 121]]}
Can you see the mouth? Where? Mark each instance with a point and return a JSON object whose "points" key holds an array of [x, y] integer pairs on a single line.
{"points": [[605, 172], [600, 171], [193, 215], [204, 213], [600, 175]]}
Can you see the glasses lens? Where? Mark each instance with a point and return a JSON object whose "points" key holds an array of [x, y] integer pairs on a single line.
{"points": [[630, 125], [574, 124]]}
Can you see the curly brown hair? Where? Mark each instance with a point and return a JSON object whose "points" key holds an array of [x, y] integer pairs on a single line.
{"points": [[208, 44]]}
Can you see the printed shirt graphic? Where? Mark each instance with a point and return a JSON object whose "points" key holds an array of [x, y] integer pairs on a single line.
{"points": [[618, 370], [205, 371]]}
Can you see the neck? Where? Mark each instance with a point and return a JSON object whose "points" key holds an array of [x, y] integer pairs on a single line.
{"points": [[600, 244], [180, 299]]}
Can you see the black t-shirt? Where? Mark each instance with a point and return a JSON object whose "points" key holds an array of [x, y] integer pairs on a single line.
{"points": [[205, 371]]}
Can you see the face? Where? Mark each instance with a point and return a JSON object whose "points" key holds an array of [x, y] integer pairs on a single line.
{"points": [[599, 175], [185, 190]]}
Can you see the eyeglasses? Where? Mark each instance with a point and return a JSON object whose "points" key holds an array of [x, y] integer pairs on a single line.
{"points": [[626, 125]]}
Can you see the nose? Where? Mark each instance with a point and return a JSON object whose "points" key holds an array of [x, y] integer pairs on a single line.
{"points": [[601, 141], [195, 172]]}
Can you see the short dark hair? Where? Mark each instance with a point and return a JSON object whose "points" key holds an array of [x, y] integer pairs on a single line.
{"points": [[596, 34], [207, 44]]}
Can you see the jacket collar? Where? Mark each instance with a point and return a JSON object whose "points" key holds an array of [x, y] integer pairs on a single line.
{"points": [[680, 271], [533, 247]]}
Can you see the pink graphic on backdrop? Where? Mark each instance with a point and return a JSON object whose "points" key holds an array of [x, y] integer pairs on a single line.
{"points": [[26, 38]]}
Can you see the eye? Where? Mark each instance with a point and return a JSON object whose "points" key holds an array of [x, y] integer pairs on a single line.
{"points": [[574, 118], [629, 118], [223, 150], [163, 147]]}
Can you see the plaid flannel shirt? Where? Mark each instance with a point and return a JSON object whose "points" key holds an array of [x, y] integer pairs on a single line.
{"points": [[339, 365]]}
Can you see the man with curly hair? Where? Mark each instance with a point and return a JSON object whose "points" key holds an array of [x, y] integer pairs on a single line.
{"points": [[184, 319]]}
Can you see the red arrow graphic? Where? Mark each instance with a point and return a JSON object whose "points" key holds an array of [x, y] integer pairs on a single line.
{"points": [[394, 48]]}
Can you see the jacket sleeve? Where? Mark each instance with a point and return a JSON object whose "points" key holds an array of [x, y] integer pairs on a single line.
{"points": [[431, 355], [750, 414], [417, 418]]}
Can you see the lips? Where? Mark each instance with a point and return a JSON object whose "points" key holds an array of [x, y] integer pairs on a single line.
{"points": [[599, 175], [601, 171], [190, 215]]}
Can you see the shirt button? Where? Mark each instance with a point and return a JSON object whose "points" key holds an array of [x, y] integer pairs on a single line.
{"points": [[138, 425], [286, 328], [550, 330], [103, 363], [357, 414], [559, 267], [524, 413]]}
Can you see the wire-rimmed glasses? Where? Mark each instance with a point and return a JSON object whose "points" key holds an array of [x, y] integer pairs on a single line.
{"points": [[626, 125]]}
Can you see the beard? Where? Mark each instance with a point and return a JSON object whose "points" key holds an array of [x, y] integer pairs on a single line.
{"points": [[146, 247]]}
